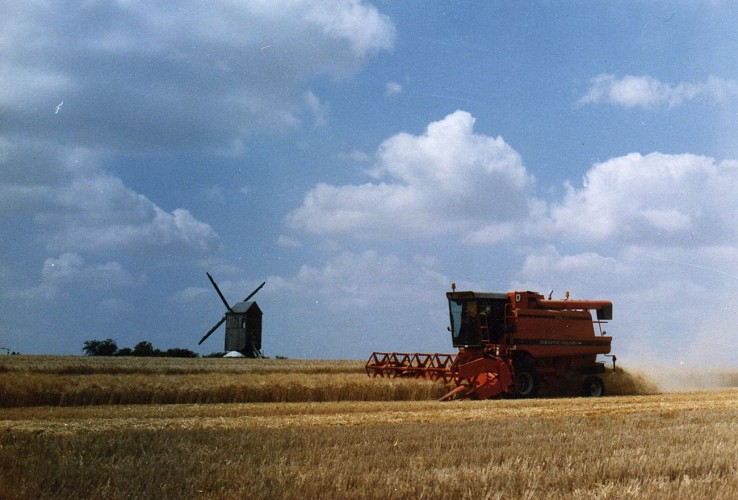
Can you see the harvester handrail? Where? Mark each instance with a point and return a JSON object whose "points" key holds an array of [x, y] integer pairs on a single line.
{"points": [[599, 323]]}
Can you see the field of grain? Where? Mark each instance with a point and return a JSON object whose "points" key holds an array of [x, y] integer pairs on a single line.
{"points": [[82, 381], [657, 445]]}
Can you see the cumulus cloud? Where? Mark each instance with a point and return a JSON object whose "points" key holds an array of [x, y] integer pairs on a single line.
{"points": [[392, 88], [672, 199], [72, 269], [288, 241], [318, 109], [146, 76], [89, 210], [550, 263], [191, 294], [99, 214], [453, 181], [448, 180], [349, 299], [360, 24], [355, 280], [647, 92]]}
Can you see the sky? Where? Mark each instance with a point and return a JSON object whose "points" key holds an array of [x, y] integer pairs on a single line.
{"points": [[360, 157]]}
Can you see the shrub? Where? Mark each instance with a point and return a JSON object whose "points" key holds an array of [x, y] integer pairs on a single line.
{"points": [[180, 353], [143, 348], [106, 347]]}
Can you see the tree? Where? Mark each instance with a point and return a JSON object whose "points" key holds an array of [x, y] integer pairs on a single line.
{"points": [[106, 347], [178, 352], [143, 348]]}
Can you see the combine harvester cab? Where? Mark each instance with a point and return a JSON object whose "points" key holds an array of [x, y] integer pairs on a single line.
{"points": [[514, 344]]}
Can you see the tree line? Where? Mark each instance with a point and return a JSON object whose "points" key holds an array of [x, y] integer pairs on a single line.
{"points": [[109, 347]]}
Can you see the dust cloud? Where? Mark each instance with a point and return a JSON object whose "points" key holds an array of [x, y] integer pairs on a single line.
{"points": [[659, 379], [623, 382]]}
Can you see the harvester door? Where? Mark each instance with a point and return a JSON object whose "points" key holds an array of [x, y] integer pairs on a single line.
{"points": [[464, 323]]}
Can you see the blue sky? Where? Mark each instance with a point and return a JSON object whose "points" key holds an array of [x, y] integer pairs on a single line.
{"points": [[359, 157]]}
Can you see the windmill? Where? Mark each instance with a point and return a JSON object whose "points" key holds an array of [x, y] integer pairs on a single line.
{"points": [[243, 325]]}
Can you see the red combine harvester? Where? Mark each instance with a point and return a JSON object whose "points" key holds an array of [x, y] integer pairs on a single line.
{"points": [[514, 344]]}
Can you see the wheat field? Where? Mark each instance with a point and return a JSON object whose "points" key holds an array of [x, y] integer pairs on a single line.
{"points": [[654, 445]]}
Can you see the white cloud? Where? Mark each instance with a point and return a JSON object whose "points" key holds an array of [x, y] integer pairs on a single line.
{"points": [[24, 85], [452, 181], [359, 303], [152, 77], [351, 280], [65, 268], [319, 110], [72, 269], [361, 24], [448, 180], [88, 210], [671, 199], [191, 294], [549, 261], [100, 213], [392, 88], [654, 233], [647, 92], [288, 241]]}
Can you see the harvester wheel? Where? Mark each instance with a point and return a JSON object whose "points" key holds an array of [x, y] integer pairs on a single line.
{"points": [[527, 381], [593, 387]]}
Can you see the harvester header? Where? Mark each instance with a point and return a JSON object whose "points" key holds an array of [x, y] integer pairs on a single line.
{"points": [[516, 343]]}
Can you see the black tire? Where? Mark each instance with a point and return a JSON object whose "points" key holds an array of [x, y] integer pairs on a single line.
{"points": [[526, 380], [593, 387]]}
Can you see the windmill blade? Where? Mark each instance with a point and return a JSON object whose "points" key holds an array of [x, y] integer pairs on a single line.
{"points": [[215, 285], [215, 327], [254, 292]]}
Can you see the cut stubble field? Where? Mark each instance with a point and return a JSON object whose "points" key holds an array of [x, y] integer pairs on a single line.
{"points": [[656, 445]]}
